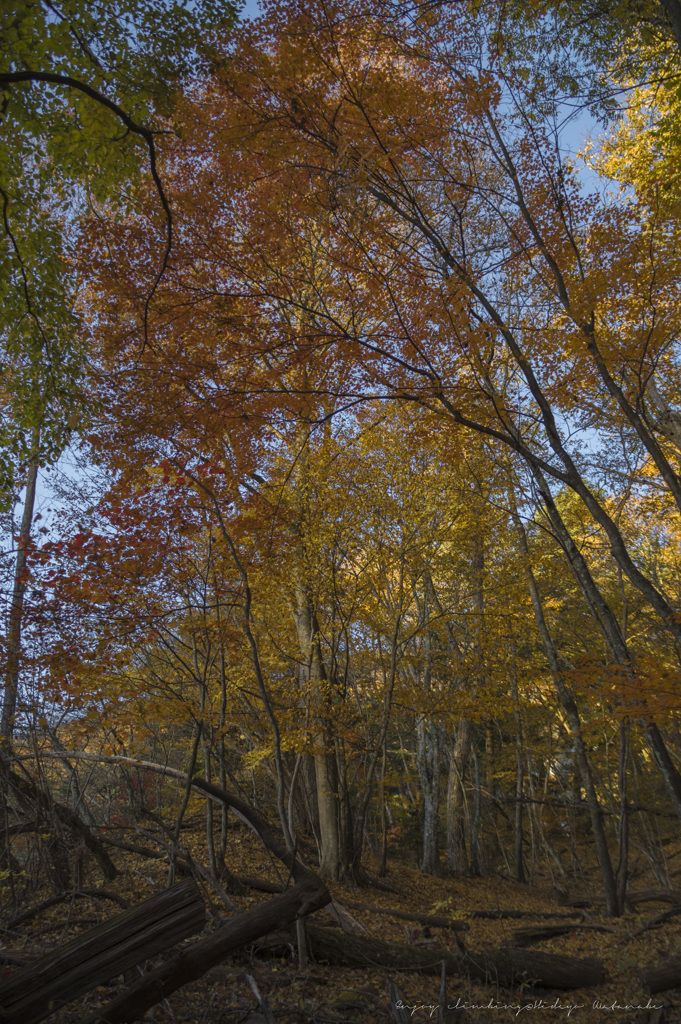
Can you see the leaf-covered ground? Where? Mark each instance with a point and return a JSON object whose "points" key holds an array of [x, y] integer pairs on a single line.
{"points": [[324, 993]]}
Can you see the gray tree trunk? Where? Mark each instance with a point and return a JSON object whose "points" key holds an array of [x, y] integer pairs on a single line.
{"points": [[459, 755], [16, 614], [428, 764], [574, 721]]}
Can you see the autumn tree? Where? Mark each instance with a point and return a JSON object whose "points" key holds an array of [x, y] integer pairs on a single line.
{"points": [[343, 238]]}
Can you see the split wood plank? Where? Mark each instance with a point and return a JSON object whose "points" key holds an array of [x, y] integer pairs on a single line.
{"points": [[39, 989], [193, 961]]}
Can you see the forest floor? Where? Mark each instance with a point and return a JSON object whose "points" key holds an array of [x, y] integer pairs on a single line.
{"points": [[324, 994]]}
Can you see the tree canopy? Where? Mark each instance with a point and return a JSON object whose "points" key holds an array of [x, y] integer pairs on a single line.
{"points": [[375, 382]]}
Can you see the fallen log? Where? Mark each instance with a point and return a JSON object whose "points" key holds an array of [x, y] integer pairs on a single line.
{"points": [[428, 920], [37, 990], [335, 909], [526, 936], [503, 915], [259, 884], [652, 922], [655, 895], [501, 966], [642, 896], [62, 897], [661, 977], [308, 894], [193, 961]]}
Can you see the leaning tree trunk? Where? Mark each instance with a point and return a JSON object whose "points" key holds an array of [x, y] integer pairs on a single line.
{"points": [[575, 724], [612, 634]]}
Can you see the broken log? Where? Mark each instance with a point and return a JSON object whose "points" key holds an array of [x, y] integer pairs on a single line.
{"points": [[501, 966], [429, 921], [642, 896], [259, 884], [526, 936], [37, 990], [661, 977], [335, 909], [193, 961], [652, 922], [655, 895], [503, 915]]}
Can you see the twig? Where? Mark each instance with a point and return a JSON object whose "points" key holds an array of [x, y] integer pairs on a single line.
{"points": [[262, 1002]]}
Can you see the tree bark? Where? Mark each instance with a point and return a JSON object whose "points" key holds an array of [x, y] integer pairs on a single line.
{"points": [[457, 861], [519, 780], [502, 966], [428, 763], [37, 990], [662, 976], [570, 707], [9, 703], [192, 962]]}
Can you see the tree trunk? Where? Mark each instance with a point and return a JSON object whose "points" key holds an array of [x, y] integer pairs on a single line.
{"points": [[612, 634], [312, 673], [502, 966], [459, 755], [193, 961], [572, 713], [474, 843], [9, 704], [331, 863], [519, 781], [428, 762], [37, 990]]}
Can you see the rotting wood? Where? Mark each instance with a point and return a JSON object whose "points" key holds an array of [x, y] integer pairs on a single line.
{"points": [[661, 977], [501, 966], [259, 884], [37, 990], [510, 915], [526, 936], [308, 895], [652, 922], [643, 896], [428, 920]]}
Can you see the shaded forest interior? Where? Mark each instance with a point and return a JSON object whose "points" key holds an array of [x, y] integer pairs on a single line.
{"points": [[340, 497]]}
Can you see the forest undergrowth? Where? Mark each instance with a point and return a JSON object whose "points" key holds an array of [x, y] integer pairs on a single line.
{"points": [[265, 982]]}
